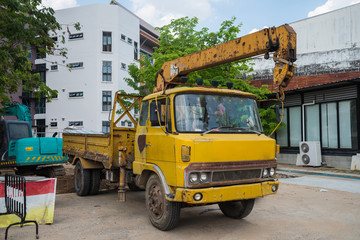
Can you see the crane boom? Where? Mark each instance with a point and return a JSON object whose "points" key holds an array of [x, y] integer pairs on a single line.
{"points": [[281, 40]]}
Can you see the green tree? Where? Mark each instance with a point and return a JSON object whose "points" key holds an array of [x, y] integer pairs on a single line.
{"points": [[180, 38], [25, 24]]}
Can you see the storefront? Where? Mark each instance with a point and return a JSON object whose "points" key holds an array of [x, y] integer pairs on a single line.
{"points": [[328, 114]]}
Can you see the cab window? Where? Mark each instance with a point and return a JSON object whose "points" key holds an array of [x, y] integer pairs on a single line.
{"points": [[158, 109], [144, 113]]}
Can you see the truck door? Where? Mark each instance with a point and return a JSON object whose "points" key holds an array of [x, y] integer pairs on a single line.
{"points": [[141, 132], [159, 143]]}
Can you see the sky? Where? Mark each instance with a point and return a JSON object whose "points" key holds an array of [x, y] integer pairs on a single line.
{"points": [[253, 15]]}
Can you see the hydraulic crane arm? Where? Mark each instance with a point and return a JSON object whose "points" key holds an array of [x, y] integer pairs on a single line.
{"points": [[280, 40]]}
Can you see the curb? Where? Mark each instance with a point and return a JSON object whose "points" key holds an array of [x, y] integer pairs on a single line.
{"points": [[321, 173]]}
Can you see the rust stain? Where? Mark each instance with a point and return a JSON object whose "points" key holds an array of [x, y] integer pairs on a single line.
{"points": [[141, 142], [186, 195], [232, 165]]}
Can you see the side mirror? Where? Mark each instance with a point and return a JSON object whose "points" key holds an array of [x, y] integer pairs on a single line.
{"points": [[153, 114], [277, 112]]}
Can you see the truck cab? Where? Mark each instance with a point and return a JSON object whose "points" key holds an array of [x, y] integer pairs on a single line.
{"points": [[206, 146]]}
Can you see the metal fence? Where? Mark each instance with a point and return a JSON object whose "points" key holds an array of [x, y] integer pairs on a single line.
{"points": [[15, 201]]}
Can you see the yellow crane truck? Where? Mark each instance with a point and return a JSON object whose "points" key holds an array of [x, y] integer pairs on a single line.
{"points": [[194, 145]]}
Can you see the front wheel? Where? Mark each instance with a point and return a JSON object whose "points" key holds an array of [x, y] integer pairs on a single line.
{"points": [[237, 209], [163, 214]]}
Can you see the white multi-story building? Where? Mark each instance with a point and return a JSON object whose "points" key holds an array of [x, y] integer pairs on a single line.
{"points": [[98, 56]]}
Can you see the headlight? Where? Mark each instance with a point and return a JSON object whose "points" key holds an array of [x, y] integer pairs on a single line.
{"points": [[265, 173], [199, 178], [193, 178], [198, 196], [204, 177], [272, 172]]}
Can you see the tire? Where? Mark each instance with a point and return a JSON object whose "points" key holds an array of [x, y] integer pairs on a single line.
{"points": [[163, 215], [237, 209], [81, 180], [95, 181]]}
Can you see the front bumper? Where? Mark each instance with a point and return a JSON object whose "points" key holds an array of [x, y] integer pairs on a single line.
{"points": [[223, 194]]}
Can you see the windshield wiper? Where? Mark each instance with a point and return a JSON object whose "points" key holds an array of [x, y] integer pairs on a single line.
{"points": [[229, 127], [247, 129]]}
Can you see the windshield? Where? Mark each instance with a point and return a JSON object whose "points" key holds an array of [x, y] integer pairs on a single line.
{"points": [[219, 113], [18, 131]]}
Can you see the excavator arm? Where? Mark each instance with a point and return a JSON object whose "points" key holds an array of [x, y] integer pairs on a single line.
{"points": [[280, 40], [19, 110]]}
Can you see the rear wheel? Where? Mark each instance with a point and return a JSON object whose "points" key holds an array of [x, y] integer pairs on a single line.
{"points": [[95, 181], [163, 214], [81, 179], [237, 209]]}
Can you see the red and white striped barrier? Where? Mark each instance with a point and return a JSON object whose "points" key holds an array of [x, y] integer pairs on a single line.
{"points": [[40, 201]]}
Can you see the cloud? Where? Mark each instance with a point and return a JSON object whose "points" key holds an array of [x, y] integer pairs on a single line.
{"points": [[331, 5], [256, 30], [253, 30], [56, 4], [161, 12]]}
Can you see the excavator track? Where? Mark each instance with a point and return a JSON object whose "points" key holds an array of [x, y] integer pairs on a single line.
{"points": [[51, 171]]}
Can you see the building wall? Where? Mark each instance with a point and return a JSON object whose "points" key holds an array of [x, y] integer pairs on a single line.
{"points": [[322, 100], [340, 162], [94, 19], [326, 43]]}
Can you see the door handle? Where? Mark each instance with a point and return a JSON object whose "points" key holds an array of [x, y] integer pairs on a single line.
{"points": [[148, 145]]}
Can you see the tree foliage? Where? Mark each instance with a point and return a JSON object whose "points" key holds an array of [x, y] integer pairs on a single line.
{"points": [[180, 38], [24, 24]]}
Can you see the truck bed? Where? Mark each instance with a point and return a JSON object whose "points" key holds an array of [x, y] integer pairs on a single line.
{"points": [[100, 147]]}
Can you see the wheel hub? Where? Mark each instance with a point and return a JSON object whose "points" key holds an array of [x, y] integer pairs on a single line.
{"points": [[156, 201]]}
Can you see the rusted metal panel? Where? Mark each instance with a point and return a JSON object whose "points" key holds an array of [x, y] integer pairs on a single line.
{"points": [[231, 165], [94, 147], [281, 40], [95, 156]]}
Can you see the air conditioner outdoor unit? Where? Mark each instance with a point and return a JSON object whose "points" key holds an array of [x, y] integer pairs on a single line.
{"points": [[310, 154]]}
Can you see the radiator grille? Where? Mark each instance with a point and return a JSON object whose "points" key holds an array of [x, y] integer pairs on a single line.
{"points": [[236, 175]]}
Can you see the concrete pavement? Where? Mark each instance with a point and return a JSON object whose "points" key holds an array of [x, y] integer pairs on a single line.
{"points": [[324, 178], [325, 183]]}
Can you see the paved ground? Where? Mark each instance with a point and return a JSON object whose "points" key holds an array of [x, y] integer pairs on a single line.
{"points": [[326, 183], [295, 212]]}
